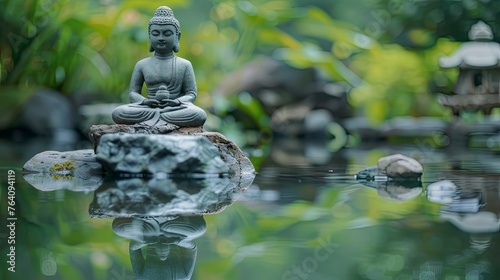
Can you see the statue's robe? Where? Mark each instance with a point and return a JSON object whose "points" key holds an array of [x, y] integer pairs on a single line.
{"points": [[178, 76]]}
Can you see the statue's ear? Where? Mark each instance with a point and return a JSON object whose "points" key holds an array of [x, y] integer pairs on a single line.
{"points": [[176, 47], [150, 47]]}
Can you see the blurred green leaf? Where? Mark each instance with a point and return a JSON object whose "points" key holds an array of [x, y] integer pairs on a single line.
{"points": [[320, 25], [12, 99]]}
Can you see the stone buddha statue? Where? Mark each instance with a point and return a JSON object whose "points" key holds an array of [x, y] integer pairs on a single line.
{"points": [[169, 79]]}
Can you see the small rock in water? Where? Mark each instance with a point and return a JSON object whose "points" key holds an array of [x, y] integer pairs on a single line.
{"points": [[74, 170], [400, 166]]}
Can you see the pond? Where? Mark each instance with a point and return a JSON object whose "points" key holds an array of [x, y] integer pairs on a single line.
{"points": [[303, 217]]}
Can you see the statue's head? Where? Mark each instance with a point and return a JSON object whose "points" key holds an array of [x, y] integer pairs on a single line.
{"points": [[164, 16], [480, 32]]}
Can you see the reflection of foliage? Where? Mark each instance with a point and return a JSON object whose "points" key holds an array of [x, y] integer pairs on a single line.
{"points": [[54, 227], [346, 226]]}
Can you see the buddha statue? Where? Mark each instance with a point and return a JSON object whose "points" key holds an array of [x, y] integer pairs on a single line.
{"points": [[169, 79]]}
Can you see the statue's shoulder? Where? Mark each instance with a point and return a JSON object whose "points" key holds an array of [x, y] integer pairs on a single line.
{"points": [[183, 62], [143, 62]]}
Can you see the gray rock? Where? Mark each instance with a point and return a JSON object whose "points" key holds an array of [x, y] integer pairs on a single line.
{"points": [[239, 165], [399, 166], [151, 154], [97, 131], [72, 170]]}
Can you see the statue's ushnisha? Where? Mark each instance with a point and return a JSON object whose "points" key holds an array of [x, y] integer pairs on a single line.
{"points": [[169, 80]]}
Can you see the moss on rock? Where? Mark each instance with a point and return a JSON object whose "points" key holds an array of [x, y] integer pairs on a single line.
{"points": [[63, 166]]}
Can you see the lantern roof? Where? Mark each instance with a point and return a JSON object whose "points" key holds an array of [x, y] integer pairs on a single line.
{"points": [[480, 53]]}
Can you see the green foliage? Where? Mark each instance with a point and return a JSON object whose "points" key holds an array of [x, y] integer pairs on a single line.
{"points": [[419, 24], [91, 46], [402, 85], [12, 96], [388, 80], [70, 45], [42, 41]]}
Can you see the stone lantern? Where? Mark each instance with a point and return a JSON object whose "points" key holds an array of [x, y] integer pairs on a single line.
{"points": [[478, 84]]}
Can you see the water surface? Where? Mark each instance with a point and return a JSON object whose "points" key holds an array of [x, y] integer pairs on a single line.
{"points": [[304, 217]]}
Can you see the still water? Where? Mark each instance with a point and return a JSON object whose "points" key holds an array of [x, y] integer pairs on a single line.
{"points": [[303, 217]]}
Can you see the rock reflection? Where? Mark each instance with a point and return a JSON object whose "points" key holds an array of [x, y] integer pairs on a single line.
{"points": [[455, 199], [399, 190], [137, 197], [396, 189], [161, 247], [472, 208]]}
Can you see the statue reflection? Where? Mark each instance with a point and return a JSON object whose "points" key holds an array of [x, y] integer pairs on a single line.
{"points": [[162, 216], [161, 247]]}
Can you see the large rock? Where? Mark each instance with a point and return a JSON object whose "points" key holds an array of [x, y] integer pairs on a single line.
{"points": [[151, 154], [400, 166], [72, 170], [163, 194], [239, 165], [97, 131], [280, 87]]}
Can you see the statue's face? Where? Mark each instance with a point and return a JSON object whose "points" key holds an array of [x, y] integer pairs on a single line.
{"points": [[163, 38]]}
